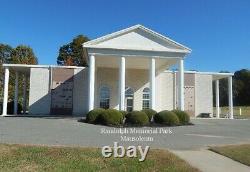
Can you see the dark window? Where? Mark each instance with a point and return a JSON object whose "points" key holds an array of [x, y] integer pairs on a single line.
{"points": [[145, 98], [104, 97]]}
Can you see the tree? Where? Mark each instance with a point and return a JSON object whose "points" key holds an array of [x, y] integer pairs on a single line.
{"points": [[20, 55], [23, 55], [73, 53], [5, 53], [242, 87], [5, 56]]}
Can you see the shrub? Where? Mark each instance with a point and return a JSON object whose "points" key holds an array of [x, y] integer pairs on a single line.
{"points": [[111, 117], [166, 117], [124, 113], [137, 118], [93, 115], [183, 116], [149, 112], [10, 108]]}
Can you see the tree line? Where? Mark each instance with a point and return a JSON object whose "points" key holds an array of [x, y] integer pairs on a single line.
{"points": [[72, 54]]}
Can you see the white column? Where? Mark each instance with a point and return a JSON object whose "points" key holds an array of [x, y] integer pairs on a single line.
{"points": [[5, 94], [152, 83], [122, 83], [174, 90], [91, 82], [24, 93], [181, 85], [230, 97], [16, 94], [217, 89]]}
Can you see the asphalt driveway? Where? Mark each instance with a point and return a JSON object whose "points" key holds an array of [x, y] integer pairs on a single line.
{"points": [[69, 132]]}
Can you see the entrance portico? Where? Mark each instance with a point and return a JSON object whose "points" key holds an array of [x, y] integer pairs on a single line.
{"points": [[135, 48]]}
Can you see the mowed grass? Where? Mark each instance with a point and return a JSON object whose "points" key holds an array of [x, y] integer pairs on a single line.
{"points": [[42, 158], [240, 153], [245, 111]]}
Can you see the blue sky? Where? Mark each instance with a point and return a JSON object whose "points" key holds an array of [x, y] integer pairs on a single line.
{"points": [[218, 31]]}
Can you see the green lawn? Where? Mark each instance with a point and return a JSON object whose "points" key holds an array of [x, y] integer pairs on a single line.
{"points": [[245, 111], [239, 153], [41, 158]]}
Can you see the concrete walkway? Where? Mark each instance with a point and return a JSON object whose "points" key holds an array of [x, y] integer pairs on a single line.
{"points": [[208, 161]]}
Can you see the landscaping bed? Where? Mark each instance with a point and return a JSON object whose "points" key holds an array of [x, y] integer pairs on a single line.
{"points": [[147, 117], [42, 158], [240, 153]]}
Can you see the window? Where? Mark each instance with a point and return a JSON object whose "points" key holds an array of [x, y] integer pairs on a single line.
{"points": [[104, 97], [145, 98], [129, 99]]}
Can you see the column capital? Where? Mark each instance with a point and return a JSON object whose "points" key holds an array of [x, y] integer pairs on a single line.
{"points": [[91, 54]]}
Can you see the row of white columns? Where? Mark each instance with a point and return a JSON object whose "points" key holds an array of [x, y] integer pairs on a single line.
{"points": [[6, 89], [230, 97], [122, 76]]}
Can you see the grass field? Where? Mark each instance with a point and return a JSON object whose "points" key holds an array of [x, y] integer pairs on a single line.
{"points": [[41, 158], [245, 111], [240, 153]]}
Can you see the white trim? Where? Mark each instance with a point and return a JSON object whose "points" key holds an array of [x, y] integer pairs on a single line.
{"points": [[134, 53], [202, 73], [124, 31], [41, 66], [211, 73]]}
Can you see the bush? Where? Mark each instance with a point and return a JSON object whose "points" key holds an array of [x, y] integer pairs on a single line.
{"points": [[137, 118], [149, 112], [93, 115], [111, 117], [166, 117], [183, 116], [124, 113], [10, 108]]}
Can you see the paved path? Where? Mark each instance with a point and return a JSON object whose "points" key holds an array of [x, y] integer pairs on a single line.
{"points": [[208, 161], [69, 132], [185, 141]]}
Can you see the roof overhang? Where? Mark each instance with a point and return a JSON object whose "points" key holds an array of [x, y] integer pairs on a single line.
{"points": [[24, 68], [215, 75]]}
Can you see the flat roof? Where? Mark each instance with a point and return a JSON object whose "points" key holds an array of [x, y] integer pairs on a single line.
{"points": [[41, 66], [215, 75], [24, 68]]}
